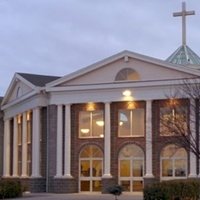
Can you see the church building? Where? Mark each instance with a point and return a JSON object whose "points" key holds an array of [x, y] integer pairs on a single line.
{"points": [[98, 126]]}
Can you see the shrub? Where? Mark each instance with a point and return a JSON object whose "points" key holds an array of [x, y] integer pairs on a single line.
{"points": [[173, 190], [116, 190], [10, 189]]}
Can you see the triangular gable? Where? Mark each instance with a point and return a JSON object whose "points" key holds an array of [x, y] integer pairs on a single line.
{"points": [[106, 70], [18, 89]]}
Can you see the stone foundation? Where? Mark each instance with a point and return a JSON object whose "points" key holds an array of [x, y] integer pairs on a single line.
{"points": [[63, 185], [106, 183]]}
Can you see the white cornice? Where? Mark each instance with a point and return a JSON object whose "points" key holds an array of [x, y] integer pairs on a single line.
{"points": [[17, 77], [137, 84], [16, 101]]}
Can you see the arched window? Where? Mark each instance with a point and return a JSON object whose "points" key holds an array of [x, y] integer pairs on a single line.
{"points": [[19, 92], [90, 168], [127, 74], [173, 162], [131, 168]]}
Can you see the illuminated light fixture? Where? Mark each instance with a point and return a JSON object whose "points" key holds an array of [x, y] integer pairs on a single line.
{"points": [[121, 123], [100, 123], [131, 105], [90, 106], [101, 135], [173, 102], [85, 130], [19, 119], [28, 117], [126, 93]]}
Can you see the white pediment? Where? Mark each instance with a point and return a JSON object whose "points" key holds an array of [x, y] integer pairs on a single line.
{"points": [[18, 89], [105, 71]]}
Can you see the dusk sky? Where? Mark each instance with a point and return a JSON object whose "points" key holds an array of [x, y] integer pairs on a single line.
{"points": [[57, 37]]}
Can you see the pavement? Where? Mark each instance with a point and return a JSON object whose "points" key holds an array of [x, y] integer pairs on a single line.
{"points": [[80, 196]]}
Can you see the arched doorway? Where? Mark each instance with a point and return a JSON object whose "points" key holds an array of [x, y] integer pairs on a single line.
{"points": [[90, 169], [131, 168]]}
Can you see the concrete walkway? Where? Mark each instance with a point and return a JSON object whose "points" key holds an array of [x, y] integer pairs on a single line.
{"points": [[81, 196]]}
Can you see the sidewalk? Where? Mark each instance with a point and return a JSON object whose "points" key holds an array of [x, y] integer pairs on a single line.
{"points": [[80, 196]]}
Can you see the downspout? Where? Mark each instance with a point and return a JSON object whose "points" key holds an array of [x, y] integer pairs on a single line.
{"points": [[47, 152]]}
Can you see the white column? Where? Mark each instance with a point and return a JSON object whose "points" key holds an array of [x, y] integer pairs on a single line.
{"points": [[6, 152], [59, 148], [149, 173], [107, 142], [24, 145], [36, 143], [15, 148], [67, 167], [193, 171], [199, 147]]}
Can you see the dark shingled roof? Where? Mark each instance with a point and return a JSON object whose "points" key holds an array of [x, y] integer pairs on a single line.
{"points": [[38, 80]]}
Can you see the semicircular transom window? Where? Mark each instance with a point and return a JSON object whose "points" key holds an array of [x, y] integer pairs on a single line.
{"points": [[127, 74]]}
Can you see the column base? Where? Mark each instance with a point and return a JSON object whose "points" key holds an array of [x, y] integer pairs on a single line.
{"points": [[108, 182], [149, 176], [6, 176], [192, 176], [107, 176], [148, 181], [58, 176], [68, 176], [34, 176]]}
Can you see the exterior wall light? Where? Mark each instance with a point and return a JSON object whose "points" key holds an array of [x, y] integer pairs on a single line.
{"points": [[126, 93]]}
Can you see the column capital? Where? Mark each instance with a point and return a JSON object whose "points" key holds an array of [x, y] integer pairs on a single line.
{"points": [[107, 102]]}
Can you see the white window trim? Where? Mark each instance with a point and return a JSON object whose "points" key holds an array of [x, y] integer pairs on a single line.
{"points": [[131, 125], [91, 127], [173, 168]]}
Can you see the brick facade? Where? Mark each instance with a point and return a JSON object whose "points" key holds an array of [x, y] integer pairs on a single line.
{"points": [[50, 183], [1, 138]]}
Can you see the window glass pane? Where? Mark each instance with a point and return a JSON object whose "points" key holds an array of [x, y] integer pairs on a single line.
{"points": [[91, 124], [137, 186], [29, 157], [131, 150], [137, 168], [19, 134], [125, 168], [127, 74], [29, 168], [84, 124], [125, 185], [19, 160], [173, 151], [167, 169], [85, 186], [180, 167], [124, 126], [97, 123], [138, 121], [85, 153], [96, 186], [85, 168], [96, 152], [173, 120], [97, 168], [29, 135]]}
